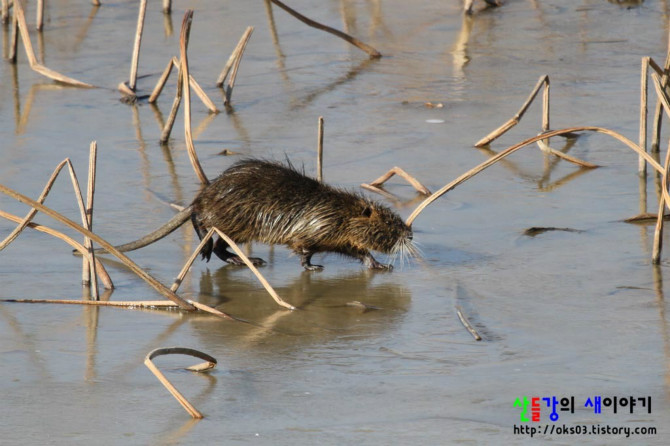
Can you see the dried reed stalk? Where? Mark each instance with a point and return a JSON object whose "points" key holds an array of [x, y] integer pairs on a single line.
{"points": [[475, 170], [375, 185], [4, 15], [174, 62], [658, 230], [211, 363], [98, 303], [132, 82], [644, 93], [14, 44], [167, 6], [198, 90], [665, 101], [656, 121], [214, 311], [235, 55], [665, 199], [189, 262], [102, 272], [254, 270], [373, 53], [169, 123], [319, 151], [39, 20], [89, 272], [545, 148], [104, 244], [183, 44], [467, 7], [466, 323], [26, 220], [88, 258], [544, 80], [125, 89], [163, 79], [22, 26]]}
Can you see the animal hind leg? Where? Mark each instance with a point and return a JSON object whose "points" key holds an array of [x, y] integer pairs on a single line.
{"points": [[221, 251], [306, 261]]}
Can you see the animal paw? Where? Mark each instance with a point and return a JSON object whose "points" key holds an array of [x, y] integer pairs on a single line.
{"points": [[380, 266], [311, 267], [237, 260]]}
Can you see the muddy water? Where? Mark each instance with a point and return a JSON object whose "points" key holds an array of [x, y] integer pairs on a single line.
{"points": [[580, 313]]}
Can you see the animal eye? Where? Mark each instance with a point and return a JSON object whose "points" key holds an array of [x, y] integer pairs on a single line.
{"points": [[367, 212]]}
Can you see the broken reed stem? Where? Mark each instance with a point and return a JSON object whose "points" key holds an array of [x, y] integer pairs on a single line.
{"points": [[88, 258], [663, 99], [236, 65], [125, 89], [544, 80], [254, 270], [467, 6], [466, 323], [658, 230], [198, 89], [104, 244], [210, 310], [664, 200], [202, 95], [169, 123], [89, 269], [31, 214], [475, 170], [189, 262], [102, 272], [132, 82], [658, 117], [183, 45], [163, 79], [167, 6], [174, 62], [319, 151], [98, 303], [4, 15], [211, 363], [373, 53], [545, 148], [39, 20], [235, 55], [20, 20], [14, 44], [545, 104], [401, 173], [644, 93]]}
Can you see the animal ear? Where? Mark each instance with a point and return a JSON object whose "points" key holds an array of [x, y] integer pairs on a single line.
{"points": [[367, 212]]}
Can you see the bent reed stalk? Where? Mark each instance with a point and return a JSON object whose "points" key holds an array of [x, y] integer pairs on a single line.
{"points": [[208, 365], [494, 159], [158, 286]]}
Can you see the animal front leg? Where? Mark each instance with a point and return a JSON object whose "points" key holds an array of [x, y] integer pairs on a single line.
{"points": [[371, 263]]}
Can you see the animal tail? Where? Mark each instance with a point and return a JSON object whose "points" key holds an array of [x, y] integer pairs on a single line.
{"points": [[156, 235]]}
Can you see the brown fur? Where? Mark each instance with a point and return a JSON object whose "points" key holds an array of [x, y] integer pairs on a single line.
{"points": [[268, 202]]}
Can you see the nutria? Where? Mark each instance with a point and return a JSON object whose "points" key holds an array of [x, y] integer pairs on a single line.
{"points": [[272, 203]]}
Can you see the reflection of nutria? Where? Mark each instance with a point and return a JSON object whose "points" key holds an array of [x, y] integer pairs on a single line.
{"points": [[272, 203]]}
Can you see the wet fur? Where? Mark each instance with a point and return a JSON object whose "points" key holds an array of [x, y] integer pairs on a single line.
{"points": [[272, 203]]}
